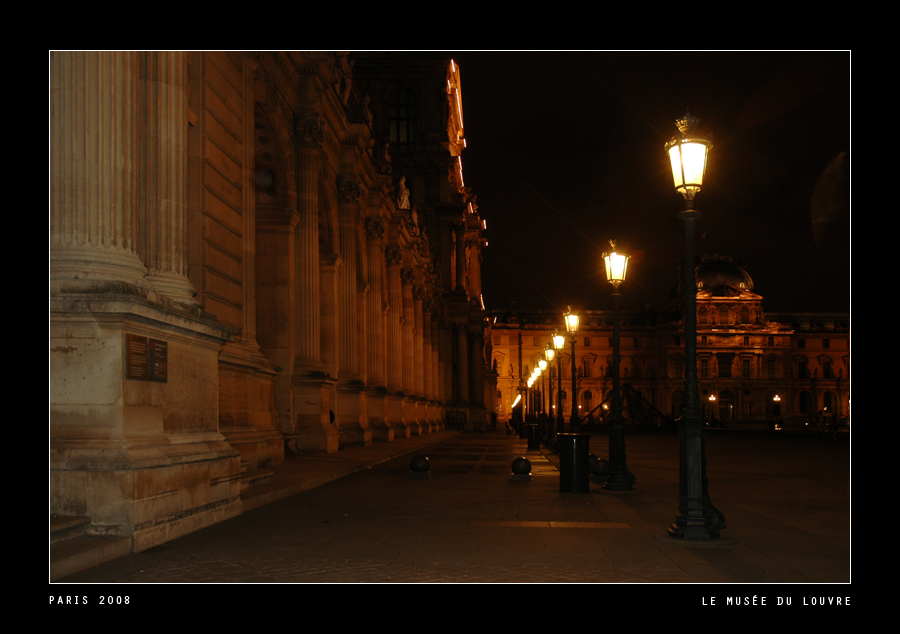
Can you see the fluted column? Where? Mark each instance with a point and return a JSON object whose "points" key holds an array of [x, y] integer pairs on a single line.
{"points": [[93, 167], [163, 191], [409, 322], [308, 136], [351, 405], [348, 216], [419, 357], [376, 363], [460, 228], [394, 353], [428, 358], [462, 363], [312, 385]]}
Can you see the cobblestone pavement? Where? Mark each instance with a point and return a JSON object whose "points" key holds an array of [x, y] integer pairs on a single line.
{"points": [[786, 501]]}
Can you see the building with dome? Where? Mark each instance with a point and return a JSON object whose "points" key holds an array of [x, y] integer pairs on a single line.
{"points": [[752, 365]]}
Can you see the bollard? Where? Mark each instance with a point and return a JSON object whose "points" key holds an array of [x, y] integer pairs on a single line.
{"points": [[419, 467], [521, 470], [534, 436], [574, 464]]}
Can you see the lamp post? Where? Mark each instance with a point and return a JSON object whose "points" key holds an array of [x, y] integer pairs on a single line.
{"points": [[619, 479], [572, 327], [559, 341], [697, 518], [549, 353]]}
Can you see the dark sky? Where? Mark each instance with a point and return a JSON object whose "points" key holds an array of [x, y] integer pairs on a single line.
{"points": [[565, 150]]}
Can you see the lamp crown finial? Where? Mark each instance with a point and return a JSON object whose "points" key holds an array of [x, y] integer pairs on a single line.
{"points": [[687, 123]]}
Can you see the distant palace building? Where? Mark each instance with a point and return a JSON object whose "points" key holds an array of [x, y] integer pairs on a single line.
{"points": [[751, 365]]}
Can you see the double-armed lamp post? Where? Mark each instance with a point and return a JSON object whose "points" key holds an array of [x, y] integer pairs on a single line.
{"points": [[619, 478], [572, 327], [697, 518]]}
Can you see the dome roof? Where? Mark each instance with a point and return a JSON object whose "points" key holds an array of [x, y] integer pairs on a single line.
{"points": [[716, 270]]}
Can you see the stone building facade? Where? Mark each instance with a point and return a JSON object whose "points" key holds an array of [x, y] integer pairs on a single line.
{"points": [[251, 254], [751, 364]]}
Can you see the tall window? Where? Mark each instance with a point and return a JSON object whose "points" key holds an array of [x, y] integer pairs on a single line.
{"points": [[771, 366], [745, 315], [802, 370], [827, 371], [745, 368], [704, 368], [402, 118], [586, 368], [678, 368]]}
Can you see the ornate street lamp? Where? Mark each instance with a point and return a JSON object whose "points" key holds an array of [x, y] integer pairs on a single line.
{"points": [[619, 479], [559, 341], [697, 518], [572, 327], [542, 364]]}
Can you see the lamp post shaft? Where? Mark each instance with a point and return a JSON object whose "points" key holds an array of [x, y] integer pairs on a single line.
{"points": [[619, 479], [573, 419], [697, 519]]}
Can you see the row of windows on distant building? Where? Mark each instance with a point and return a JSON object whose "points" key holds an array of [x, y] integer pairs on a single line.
{"points": [[705, 340]]}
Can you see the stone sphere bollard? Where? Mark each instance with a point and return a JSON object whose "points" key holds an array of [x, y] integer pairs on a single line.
{"points": [[419, 467], [521, 469], [600, 467], [521, 466]]}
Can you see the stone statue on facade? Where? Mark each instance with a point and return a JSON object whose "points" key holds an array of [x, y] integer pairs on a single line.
{"points": [[402, 194]]}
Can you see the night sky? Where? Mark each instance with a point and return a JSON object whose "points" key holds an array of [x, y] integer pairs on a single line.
{"points": [[565, 150]]}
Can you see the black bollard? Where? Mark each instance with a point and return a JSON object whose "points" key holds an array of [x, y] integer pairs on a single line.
{"points": [[574, 463], [534, 436]]}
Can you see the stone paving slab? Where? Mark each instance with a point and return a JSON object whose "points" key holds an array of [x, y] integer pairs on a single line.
{"points": [[469, 523]]}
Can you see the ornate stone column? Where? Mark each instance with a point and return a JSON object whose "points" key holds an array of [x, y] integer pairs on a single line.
{"points": [[428, 363], [418, 293], [394, 353], [462, 364], [376, 365], [351, 405], [407, 278], [311, 428], [162, 189], [93, 169], [460, 228]]}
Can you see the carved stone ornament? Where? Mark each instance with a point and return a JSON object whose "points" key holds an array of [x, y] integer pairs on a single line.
{"points": [[393, 255], [348, 190], [418, 292], [309, 132], [375, 228], [407, 276]]}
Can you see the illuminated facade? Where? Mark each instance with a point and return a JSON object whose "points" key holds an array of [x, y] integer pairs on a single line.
{"points": [[751, 365], [251, 254]]}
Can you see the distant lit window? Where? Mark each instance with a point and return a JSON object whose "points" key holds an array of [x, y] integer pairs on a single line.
{"points": [[402, 117]]}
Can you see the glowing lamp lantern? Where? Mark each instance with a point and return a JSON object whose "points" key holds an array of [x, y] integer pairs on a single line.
{"points": [[549, 353], [559, 341], [571, 321], [616, 265], [687, 156], [543, 364]]}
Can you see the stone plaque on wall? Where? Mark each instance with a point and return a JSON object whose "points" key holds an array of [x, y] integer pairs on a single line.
{"points": [[136, 357], [146, 359], [158, 359]]}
